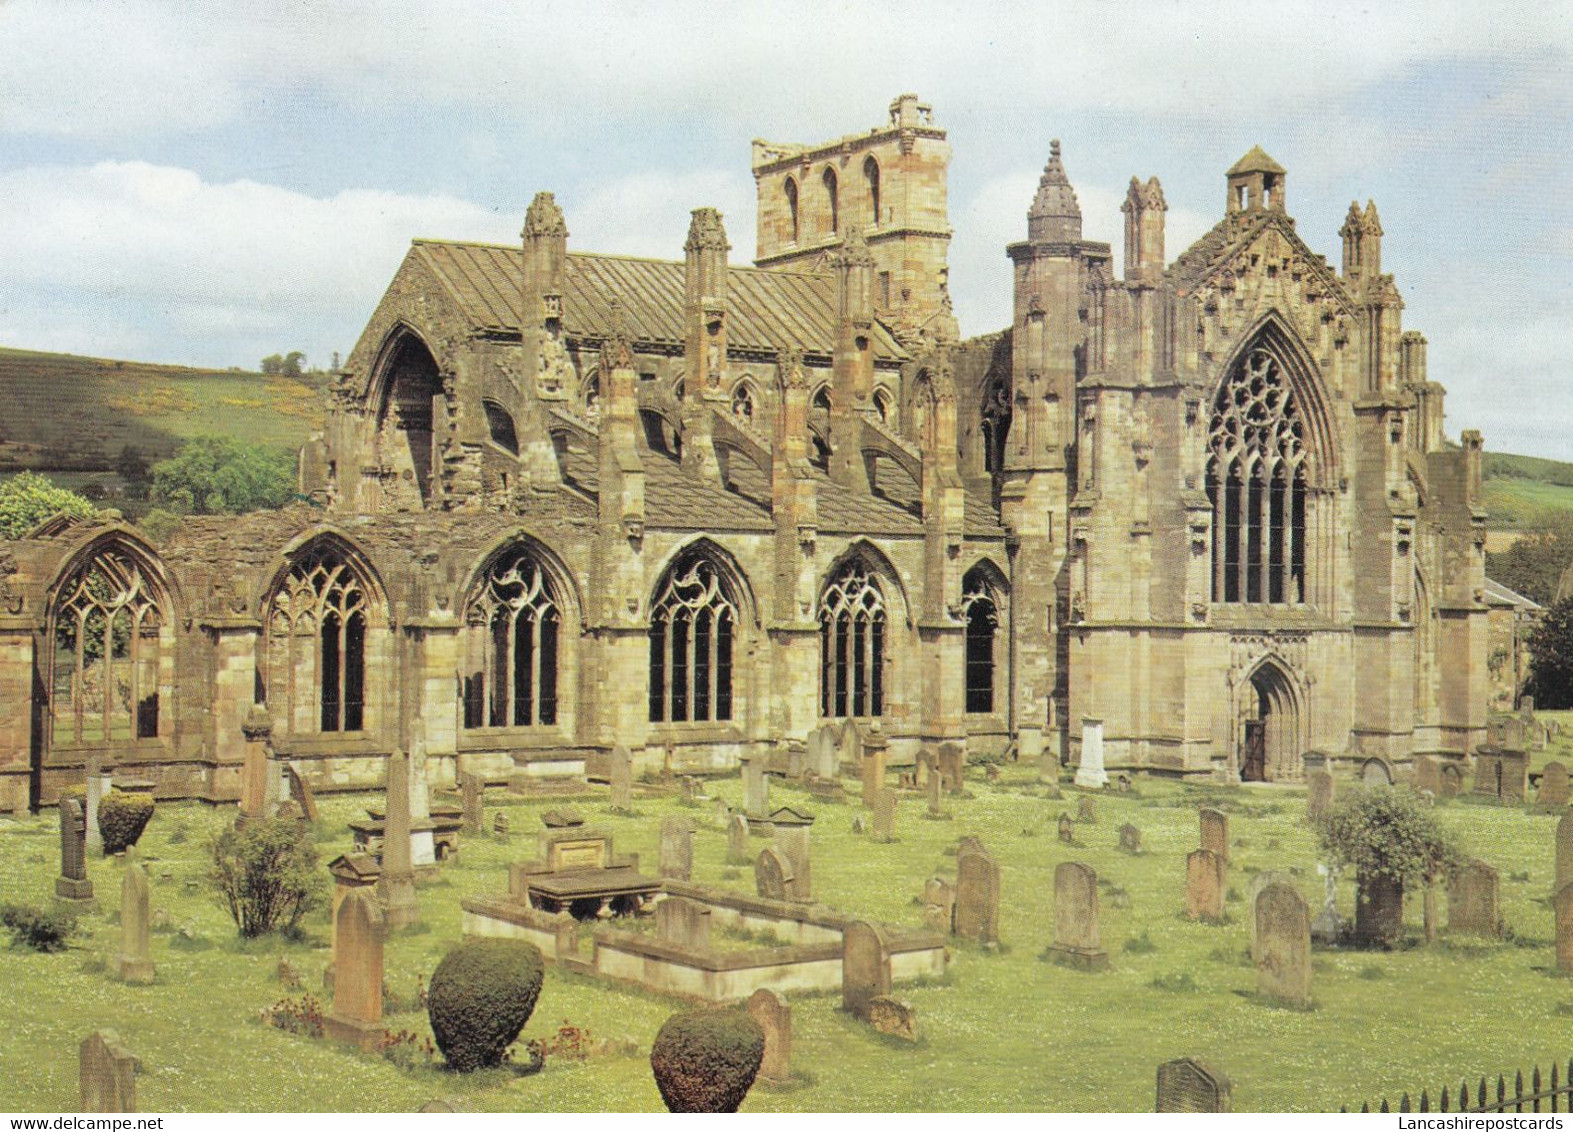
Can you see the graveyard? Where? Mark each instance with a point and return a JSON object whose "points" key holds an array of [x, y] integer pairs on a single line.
{"points": [[1002, 1027]]}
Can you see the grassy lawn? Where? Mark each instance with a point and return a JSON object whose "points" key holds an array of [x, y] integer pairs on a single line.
{"points": [[1004, 1031]]}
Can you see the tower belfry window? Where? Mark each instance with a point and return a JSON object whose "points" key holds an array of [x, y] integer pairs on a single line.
{"points": [[790, 190], [832, 203]]}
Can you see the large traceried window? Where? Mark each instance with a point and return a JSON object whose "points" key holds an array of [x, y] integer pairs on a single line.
{"points": [[316, 651], [852, 626], [513, 626], [693, 631], [108, 645], [1257, 482], [980, 606]]}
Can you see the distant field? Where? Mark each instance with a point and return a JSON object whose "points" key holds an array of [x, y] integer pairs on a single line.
{"points": [[69, 417], [1519, 489]]}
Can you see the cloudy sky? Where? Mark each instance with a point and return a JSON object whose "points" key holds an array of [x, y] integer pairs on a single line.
{"points": [[207, 183]]}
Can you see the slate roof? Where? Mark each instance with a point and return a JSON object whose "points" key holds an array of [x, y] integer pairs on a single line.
{"points": [[1255, 161], [1498, 594], [766, 309]]}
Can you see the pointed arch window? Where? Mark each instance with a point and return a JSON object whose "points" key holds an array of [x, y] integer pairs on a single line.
{"points": [[871, 176], [790, 190], [743, 403], [109, 651], [513, 628], [832, 201], [995, 426], [1257, 469], [852, 631], [316, 646], [693, 631], [980, 606]]}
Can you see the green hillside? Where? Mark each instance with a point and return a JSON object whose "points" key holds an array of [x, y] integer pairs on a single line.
{"points": [[70, 417], [1520, 490]]}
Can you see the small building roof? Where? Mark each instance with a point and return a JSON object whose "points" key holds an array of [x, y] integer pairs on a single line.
{"points": [[1498, 594], [1256, 161]]}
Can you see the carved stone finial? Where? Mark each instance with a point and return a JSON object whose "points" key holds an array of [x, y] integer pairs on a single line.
{"points": [[616, 349], [706, 232], [1055, 213], [790, 373], [544, 218], [854, 249]]}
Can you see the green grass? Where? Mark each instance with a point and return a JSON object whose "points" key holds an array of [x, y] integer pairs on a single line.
{"points": [[1003, 1031], [69, 416]]}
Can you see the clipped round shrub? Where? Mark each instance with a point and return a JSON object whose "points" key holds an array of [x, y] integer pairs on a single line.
{"points": [[705, 1060], [122, 818], [481, 995]]}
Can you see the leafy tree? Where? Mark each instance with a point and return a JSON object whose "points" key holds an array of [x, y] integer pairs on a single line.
{"points": [[217, 475], [266, 875], [273, 365], [132, 465], [1551, 657], [291, 366], [28, 499]]}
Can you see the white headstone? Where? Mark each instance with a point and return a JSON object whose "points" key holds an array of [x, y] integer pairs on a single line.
{"points": [[1090, 771]]}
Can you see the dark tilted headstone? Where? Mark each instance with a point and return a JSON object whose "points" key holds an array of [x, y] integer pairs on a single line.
{"points": [[1187, 1085]]}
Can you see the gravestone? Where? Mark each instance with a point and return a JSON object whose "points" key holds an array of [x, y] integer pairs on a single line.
{"points": [[300, 792], [772, 874], [977, 914], [1067, 829], [737, 840], [1215, 832], [1562, 905], [1188, 1085], [1087, 811], [1452, 781], [397, 884], [471, 806], [677, 849], [684, 923], [953, 767], [892, 1017], [884, 804], [1283, 944], [865, 968], [1260, 881], [423, 842], [1379, 909], [1428, 774], [72, 885], [98, 784], [1089, 770], [791, 841], [939, 905], [358, 931], [720, 813], [132, 964], [1376, 772], [1319, 795], [849, 749], [1473, 901], [873, 770], [106, 1074], [1564, 852], [774, 1017], [936, 807], [1076, 939], [756, 788], [622, 775], [1553, 794], [1130, 839], [257, 796], [1204, 886]]}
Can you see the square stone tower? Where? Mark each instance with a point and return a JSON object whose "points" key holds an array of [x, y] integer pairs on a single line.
{"points": [[891, 183]]}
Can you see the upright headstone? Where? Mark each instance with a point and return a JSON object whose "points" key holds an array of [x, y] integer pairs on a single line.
{"points": [[1188, 1085], [772, 874], [256, 770], [1087, 811], [1553, 794], [1379, 909], [684, 923], [1067, 829], [98, 784], [939, 905], [936, 806], [774, 1017], [397, 885], [423, 840], [1260, 881], [471, 805], [106, 1074], [1452, 781], [737, 840], [1089, 771], [720, 812], [132, 964], [677, 849], [1076, 939], [1562, 905], [977, 915], [357, 971], [1428, 774], [756, 788], [849, 749], [300, 792], [622, 773], [1204, 886], [72, 884], [953, 766], [1474, 902], [1283, 944], [1319, 795], [792, 842], [873, 771], [865, 968], [1130, 839], [1215, 831], [1564, 852], [883, 801]]}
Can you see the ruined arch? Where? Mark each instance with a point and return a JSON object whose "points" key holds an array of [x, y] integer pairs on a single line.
{"points": [[409, 411]]}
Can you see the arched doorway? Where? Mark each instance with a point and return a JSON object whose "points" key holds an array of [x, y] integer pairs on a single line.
{"points": [[1270, 727]]}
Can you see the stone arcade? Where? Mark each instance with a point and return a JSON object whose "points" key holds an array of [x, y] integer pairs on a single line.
{"points": [[765, 498]]}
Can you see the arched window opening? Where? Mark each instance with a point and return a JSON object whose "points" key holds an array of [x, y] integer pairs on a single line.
{"points": [[513, 628], [819, 451], [1256, 480], [923, 412], [832, 203], [790, 189], [996, 425], [693, 627], [743, 403], [983, 617], [821, 400], [882, 404], [500, 423], [871, 175], [852, 627], [592, 399], [316, 650], [410, 409], [108, 649]]}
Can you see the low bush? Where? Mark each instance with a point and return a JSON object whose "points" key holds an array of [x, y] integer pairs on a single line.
{"points": [[266, 875], [706, 1060], [480, 997], [122, 818], [42, 929]]}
